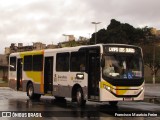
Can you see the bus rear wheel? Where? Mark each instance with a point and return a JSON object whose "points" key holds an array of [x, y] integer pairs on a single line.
{"points": [[80, 98], [31, 94]]}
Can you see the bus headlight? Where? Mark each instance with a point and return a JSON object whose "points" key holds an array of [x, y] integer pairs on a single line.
{"points": [[107, 87], [142, 88]]}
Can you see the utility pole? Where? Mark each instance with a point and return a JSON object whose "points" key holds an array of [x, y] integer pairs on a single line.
{"points": [[154, 54], [96, 23], [154, 33]]}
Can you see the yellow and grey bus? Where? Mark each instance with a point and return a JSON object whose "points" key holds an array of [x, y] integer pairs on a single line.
{"points": [[102, 72]]}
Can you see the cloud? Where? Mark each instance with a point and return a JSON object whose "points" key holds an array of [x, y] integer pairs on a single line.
{"points": [[46, 20], [130, 11]]}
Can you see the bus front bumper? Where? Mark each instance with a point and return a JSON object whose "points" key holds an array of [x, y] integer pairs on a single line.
{"points": [[108, 94]]}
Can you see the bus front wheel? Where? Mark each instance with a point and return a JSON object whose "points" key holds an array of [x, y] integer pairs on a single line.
{"points": [[80, 98]]}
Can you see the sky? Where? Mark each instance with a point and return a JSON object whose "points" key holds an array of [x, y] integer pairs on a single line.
{"points": [[28, 21]]}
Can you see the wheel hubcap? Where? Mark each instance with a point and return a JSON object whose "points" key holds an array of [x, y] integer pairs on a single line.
{"points": [[30, 91]]}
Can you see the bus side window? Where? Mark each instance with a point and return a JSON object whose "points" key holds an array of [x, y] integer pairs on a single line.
{"points": [[62, 62], [77, 62], [37, 62], [28, 62]]}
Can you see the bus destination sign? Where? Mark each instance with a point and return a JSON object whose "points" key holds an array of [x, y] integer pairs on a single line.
{"points": [[121, 50]]}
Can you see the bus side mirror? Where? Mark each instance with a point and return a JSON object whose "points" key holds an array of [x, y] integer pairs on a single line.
{"points": [[102, 62]]}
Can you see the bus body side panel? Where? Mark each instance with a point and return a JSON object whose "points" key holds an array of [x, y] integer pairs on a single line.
{"points": [[64, 83], [59, 91], [35, 77], [12, 80], [24, 85], [37, 80], [37, 86]]}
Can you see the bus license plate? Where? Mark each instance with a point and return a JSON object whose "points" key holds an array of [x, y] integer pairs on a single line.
{"points": [[127, 99]]}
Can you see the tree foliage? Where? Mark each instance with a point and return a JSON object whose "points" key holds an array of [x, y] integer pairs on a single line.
{"points": [[118, 32]]}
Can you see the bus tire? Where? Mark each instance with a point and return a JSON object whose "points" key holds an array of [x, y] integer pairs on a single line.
{"points": [[80, 98], [113, 103], [30, 92]]}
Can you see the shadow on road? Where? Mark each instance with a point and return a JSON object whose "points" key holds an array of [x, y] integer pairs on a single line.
{"points": [[63, 108]]}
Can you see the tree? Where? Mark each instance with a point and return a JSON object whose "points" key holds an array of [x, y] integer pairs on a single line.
{"points": [[148, 55], [118, 32], [72, 43], [151, 51], [114, 24]]}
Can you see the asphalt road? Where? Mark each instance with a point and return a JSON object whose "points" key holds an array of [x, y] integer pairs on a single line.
{"points": [[17, 105]]}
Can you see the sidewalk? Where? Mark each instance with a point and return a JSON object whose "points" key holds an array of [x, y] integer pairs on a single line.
{"points": [[152, 90]]}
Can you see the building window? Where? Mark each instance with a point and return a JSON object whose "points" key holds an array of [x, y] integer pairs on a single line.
{"points": [[77, 62], [27, 63], [62, 62], [12, 63], [37, 62]]}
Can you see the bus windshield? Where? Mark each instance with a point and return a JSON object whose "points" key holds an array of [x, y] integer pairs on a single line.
{"points": [[119, 66]]}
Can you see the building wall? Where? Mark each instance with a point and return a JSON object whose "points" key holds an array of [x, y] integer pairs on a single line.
{"points": [[4, 74], [3, 67]]}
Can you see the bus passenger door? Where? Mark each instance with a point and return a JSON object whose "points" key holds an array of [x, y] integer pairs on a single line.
{"points": [[93, 75], [19, 74], [48, 75]]}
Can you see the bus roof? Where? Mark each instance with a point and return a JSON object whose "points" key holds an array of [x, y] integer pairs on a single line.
{"points": [[69, 49]]}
